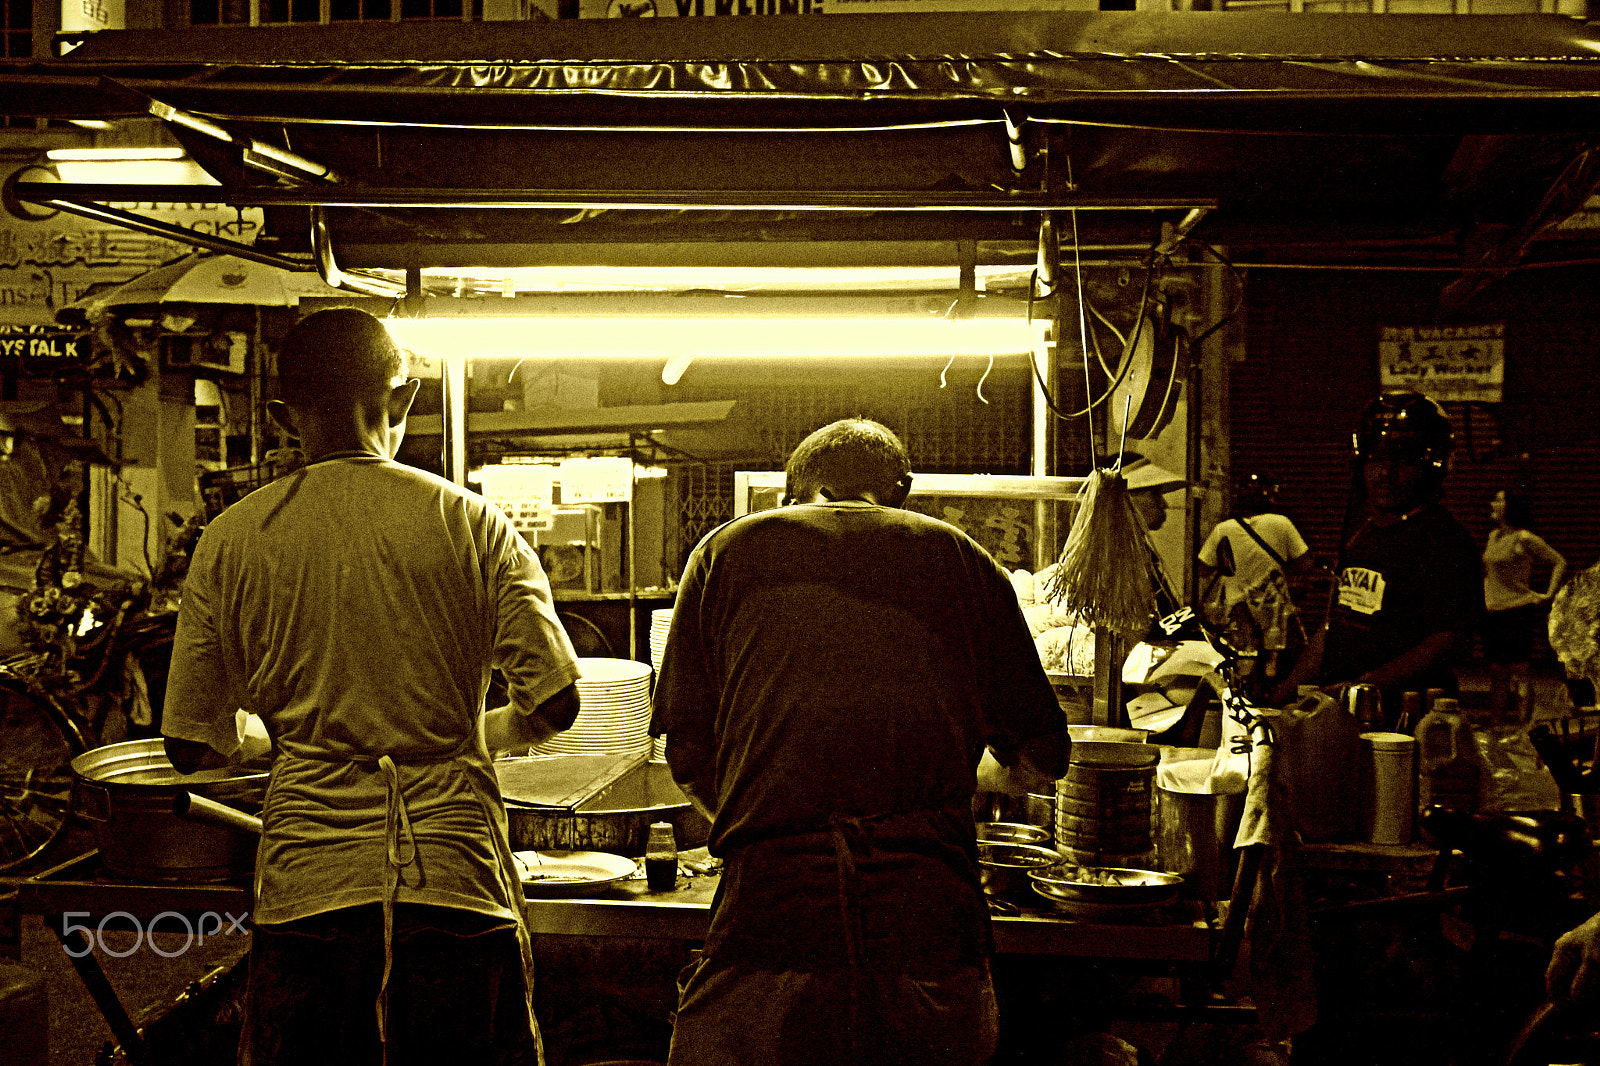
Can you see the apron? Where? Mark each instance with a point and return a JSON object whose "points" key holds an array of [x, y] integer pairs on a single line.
{"points": [[840, 905], [400, 848]]}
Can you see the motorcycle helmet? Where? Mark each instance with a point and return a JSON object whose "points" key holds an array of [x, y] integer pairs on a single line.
{"points": [[1405, 425]]}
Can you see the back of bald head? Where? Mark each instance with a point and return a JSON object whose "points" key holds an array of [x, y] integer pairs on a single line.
{"points": [[847, 458], [338, 357]]}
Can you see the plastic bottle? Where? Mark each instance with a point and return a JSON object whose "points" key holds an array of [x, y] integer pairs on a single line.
{"points": [[1410, 712], [661, 858], [1449, 769], [1365, 704], [1319, 743]]}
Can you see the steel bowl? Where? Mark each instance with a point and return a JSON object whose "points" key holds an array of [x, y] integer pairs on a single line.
{"points": [[1003, 868], [1104, 884], [1012, 833]]}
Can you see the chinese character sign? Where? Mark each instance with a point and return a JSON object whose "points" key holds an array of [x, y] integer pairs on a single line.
{"points": [[1448, 363]]}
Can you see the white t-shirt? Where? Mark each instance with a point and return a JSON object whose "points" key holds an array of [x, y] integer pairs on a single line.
{"points": [[358, 606], [1252, 565]]}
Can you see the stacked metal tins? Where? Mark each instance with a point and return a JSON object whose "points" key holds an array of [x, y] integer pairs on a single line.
{"points": [[1103, 805]]}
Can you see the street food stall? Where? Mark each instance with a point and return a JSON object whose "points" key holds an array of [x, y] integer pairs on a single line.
{"points": [[1086, 182]]}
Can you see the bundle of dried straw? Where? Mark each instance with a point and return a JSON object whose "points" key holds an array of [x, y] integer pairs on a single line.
{"points": [[1106, 565]]}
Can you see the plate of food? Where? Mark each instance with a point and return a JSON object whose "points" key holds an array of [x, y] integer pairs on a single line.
{"points": [[553, 874], [1106, 885]]}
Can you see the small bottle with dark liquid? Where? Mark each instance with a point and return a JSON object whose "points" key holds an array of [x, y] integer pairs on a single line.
{"points": [[661, 858]]}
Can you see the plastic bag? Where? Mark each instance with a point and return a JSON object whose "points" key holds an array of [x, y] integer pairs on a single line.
{"points": [[1516, 779]]}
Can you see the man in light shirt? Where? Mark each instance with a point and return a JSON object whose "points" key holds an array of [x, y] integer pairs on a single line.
{"points": [[355, 610]]}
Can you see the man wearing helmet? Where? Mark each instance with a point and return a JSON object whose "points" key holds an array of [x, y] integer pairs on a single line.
{"points": [[1410, 587]]}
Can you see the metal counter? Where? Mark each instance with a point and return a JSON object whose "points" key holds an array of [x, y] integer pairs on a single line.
{"points": [[1176, 934]]}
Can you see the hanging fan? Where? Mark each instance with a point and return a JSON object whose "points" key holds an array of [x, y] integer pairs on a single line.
{"points": [[1149, 391]]}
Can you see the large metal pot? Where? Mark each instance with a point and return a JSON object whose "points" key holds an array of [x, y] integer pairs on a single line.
{"points": [[616, 819], [127, 791]]}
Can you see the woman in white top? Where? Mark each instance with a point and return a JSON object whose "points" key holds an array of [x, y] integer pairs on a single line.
{"points": [[1514, 611]]}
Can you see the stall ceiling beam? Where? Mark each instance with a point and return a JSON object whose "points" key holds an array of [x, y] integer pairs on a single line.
{"points": [[612, 199], [639, 419]]}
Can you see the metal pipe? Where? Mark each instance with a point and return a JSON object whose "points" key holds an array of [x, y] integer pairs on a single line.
{"points": [[199, 809], [128, 220], [614, 199], [322, 250], [257, 154]]}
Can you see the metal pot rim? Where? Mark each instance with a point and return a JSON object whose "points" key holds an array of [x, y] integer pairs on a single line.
{"points": [[103, 766]]}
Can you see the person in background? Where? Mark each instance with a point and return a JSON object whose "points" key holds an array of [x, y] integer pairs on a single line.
{"points": [[841, 675], [1573, 974], [1249, 579], [1148, 485], [348, 617], [1409, 591], [1514, 615]]}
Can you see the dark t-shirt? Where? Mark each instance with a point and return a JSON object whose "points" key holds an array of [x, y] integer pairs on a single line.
{"points": [[1398, 584], [848, 664]]}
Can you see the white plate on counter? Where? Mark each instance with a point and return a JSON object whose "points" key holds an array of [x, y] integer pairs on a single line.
{"points": [[554, 874]]}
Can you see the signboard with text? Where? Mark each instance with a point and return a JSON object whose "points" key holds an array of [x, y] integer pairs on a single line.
{"points": [[55, 258], [1448, 363], [40, 345]]}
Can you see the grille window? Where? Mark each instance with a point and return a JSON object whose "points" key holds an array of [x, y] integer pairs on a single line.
{"points": [[19, 28], [285, 12]]}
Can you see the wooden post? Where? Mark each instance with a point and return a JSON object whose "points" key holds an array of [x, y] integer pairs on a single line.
{"points": [[1110, 649]]}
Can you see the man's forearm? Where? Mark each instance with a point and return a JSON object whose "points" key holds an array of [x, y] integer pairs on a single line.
{"points": [[506, 728], [692, 766]]}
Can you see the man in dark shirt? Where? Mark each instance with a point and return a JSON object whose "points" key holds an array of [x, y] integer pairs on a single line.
{"points": [[1410, 581], [840, 675]]}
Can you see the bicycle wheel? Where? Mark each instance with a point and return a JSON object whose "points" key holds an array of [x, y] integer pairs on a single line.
{"points": [[37, 744]]}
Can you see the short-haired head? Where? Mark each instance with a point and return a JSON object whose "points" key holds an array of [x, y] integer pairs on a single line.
{"points": [[1255, 493], [1519, 508], [338, 356], [847, 459]]}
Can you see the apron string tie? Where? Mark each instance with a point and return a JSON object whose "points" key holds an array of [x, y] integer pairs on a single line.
{"points": [[401, 847]]}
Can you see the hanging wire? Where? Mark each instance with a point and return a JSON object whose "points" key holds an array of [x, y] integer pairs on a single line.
{"points": [[985, 377], [1083, 322], [1238, 296], [1123, 368]]}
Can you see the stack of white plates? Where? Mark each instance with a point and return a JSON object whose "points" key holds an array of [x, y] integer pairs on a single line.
{"points": [[614, 711], [660, 625]]}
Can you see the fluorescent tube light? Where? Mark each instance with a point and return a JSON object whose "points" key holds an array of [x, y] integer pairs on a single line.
{"points": [[762, 337], [121, 155]]}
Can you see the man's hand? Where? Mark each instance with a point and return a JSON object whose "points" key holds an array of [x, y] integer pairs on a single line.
{"points": [[1017, 780], [1573, 975]]}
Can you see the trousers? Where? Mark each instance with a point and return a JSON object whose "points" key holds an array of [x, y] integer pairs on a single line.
{"points": [[456, 991]]}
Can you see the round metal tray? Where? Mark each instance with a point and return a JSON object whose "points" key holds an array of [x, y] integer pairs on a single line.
{"points": [[1074, 883]]}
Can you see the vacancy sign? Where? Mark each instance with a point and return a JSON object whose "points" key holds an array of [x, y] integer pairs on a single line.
{"points": [[1448, 363]]}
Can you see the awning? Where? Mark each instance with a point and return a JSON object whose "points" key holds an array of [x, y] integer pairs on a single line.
{"points": [[1331, 134]]}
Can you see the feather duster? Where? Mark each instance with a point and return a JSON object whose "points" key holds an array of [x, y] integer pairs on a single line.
{"points": [[1106, 567]]}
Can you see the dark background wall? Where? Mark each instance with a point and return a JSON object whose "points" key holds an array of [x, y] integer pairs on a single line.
{"points": [[1311, 364]]}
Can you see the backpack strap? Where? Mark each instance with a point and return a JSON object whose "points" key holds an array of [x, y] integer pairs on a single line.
{"points": [[1264, 545]]}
